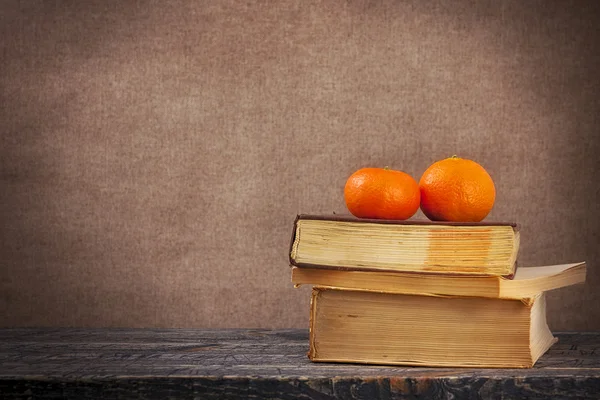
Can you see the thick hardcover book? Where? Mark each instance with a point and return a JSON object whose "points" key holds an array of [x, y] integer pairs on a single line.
{"points": [[527, 281], [398, 329], [455, 248]]}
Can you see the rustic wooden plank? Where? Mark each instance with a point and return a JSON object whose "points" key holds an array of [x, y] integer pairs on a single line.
{"points": [[322, 388], [121, 335], [187, 363]]}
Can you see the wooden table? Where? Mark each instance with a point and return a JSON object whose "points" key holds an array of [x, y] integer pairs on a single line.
{"points": [[215, 364]]}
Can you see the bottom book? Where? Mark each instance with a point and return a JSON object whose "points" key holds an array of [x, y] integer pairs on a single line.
{"points": [[399, 329]]}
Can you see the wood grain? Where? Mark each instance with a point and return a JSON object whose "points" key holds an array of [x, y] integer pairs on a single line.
{"points": [[207, 364]]}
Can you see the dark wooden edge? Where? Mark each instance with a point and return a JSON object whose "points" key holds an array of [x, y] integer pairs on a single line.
{"points": [[429, 387]]}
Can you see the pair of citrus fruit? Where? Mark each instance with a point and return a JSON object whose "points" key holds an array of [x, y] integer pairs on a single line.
{"points": [[453, 189]]}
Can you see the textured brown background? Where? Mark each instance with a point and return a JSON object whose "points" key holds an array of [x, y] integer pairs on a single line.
{"points": [[154, 154]]}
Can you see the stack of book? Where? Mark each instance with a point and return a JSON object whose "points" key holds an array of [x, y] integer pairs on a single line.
{"points": [[423, 293]]}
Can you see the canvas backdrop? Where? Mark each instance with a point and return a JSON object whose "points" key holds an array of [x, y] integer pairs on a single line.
{"points": [[154, 154]]}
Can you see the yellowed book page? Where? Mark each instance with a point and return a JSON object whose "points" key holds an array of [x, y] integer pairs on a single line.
{"points": [[541, 336], [397, 282], [526, 273], [528, 281], [366, 327], [531, 280], [485, 250]]}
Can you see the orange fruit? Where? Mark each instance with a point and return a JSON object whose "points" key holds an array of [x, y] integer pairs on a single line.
{"points": [[456, 189], [381, 193]]}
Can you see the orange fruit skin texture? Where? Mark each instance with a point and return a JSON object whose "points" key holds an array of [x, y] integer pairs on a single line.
{"points": [[456, 190], [382, 194]]}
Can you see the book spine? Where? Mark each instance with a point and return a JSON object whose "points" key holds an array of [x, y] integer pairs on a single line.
{"points": [[292, 262], [312, 351]]}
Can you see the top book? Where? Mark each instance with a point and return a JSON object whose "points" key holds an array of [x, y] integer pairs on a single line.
{"points": [[457, 248]]}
